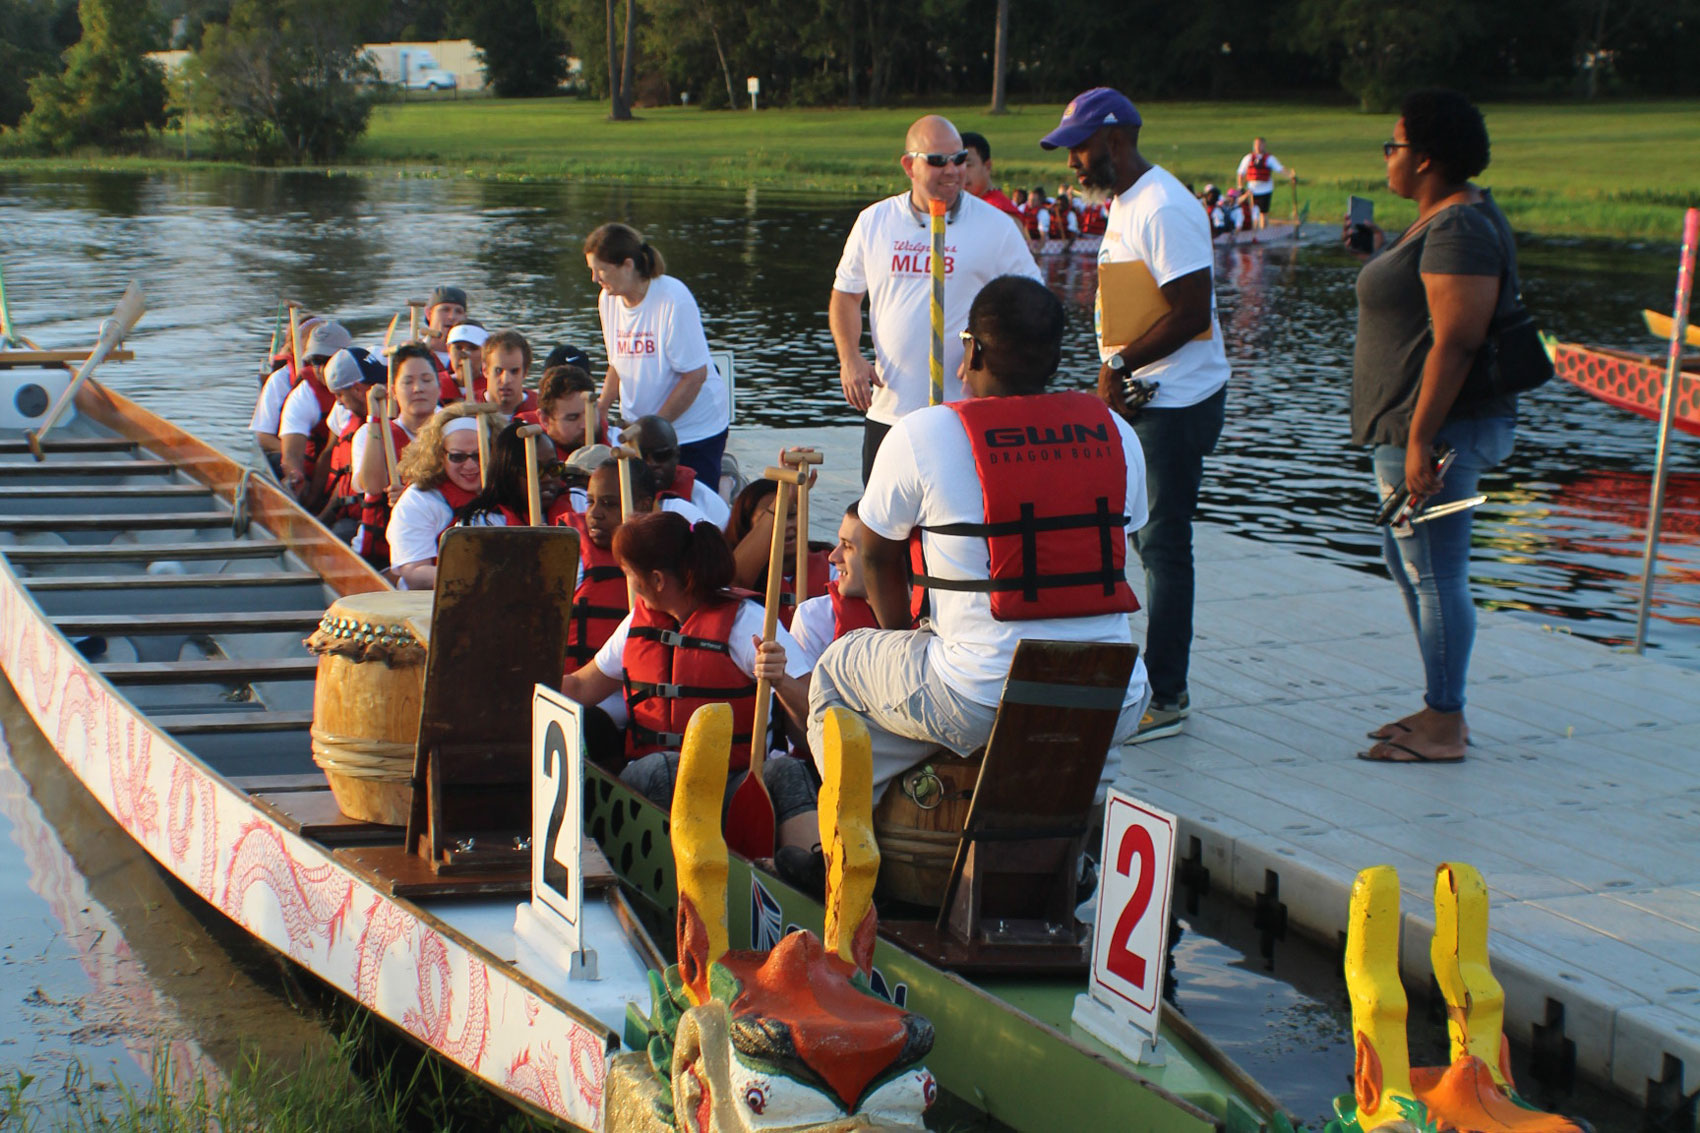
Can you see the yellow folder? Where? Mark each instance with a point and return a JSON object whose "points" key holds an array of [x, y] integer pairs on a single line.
{"points": [[1129, 301]]}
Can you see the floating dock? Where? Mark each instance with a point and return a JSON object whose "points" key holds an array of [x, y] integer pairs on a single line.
{"points": [[1579, 802]]}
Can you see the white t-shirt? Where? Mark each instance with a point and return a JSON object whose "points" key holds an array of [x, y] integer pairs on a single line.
{"points": [[923, 477], [693, 514], [1260, 187], [301, 413], [888, 257], [1157, 222], [716, 510], [268, 410], [651, 344], [418, 520], [611, 658], [812, 626]]}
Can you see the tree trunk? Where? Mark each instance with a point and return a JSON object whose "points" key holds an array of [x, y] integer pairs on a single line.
{"points": [[731, 99], [876, 56], [626, 80], [850, 53], [617, 109], [1000, 61]]}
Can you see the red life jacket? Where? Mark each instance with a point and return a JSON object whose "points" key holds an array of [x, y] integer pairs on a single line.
{"points": [[819, 569], [448, 385], [683, 486], [340, 484], [1054, 479], [672, 670], [371, 540], [849, 613], [1056, 226], [320, 435], [1096, 221], [599, 603], [1259, 169], [1030, 219]]}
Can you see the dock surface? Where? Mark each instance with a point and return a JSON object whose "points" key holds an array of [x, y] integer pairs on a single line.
{"points": [[1579, 801]]}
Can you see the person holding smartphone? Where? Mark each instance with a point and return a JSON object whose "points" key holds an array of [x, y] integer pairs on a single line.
{"points": [[1425, 300]]}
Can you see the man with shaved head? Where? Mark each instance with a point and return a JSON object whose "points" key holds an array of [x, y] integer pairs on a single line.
{"points": [[888, 260]]}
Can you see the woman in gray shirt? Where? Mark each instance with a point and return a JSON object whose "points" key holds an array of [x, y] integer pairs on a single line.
{"points": [[1424, 304]]}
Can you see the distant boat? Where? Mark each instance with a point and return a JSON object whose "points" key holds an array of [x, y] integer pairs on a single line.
{"points": [[1635, 382]]}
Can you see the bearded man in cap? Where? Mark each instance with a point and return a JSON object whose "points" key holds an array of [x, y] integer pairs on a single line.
{"points": [[1155, 222]]}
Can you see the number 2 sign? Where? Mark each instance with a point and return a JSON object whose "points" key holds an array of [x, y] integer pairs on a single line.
{"points": [[1130, 934], [557, 804]]}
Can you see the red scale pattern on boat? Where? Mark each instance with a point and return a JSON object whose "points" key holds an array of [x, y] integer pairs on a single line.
{"points": [[1628, 381]]}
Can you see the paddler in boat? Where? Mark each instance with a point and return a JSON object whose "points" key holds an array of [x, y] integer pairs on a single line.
{"points": [[274, 391], [822, 620], [350, 375], [444, 310], [692, 640], [507, 361], [415, 393], [307, 423], [466, 353], [750, 533], [919, 689], [442, 474], [659, 444], [505, 500], [565, 397]]}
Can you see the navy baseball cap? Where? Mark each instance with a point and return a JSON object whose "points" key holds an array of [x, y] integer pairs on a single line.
{"points": [[1098, 107], [567, 354]]}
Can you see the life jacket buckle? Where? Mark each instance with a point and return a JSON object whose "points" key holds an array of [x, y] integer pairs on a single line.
{"points": [[665, 692], [671, 638]]}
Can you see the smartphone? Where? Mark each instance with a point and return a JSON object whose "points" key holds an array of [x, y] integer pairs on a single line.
{"points": [[1360, 215]]}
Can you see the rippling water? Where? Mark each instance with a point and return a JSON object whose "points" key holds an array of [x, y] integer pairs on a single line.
{"points": [[1559, 540]]}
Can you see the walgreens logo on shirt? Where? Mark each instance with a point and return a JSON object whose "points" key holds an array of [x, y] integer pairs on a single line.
{"points": [[915, 257], [634, 343]]}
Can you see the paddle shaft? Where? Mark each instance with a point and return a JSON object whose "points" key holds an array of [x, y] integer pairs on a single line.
{"points": [[391, 464], [626, 456], [533, 487], [1667, 412], [801, 459], [935, 362], [769, 627], [124, 317]]}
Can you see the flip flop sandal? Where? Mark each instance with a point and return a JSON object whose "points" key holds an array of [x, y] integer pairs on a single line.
{"points": [[1388, 731], [1415, 755]]}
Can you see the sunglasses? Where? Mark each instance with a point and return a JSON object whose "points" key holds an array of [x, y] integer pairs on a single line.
{"points": [[555, 470], [660, 454], [459, 457], [940, 160], [1387, 148]]}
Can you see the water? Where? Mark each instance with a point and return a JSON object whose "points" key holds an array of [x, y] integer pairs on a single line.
{"points": [[1559, 541]]}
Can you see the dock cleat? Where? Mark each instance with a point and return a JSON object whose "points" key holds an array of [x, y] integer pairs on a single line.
{"points": [[1475, 1093]]}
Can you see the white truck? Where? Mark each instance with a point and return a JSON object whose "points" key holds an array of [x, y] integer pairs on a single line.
{"points": [[409, 67]]}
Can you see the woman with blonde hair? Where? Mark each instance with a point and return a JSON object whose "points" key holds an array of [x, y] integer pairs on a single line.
{"points": [[658, 359], [442, 474]]}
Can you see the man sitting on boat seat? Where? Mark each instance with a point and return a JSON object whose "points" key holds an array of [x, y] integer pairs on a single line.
{"points": [[690, 641], [445, 310], [309, 419], [507, 361], [564, 397], [442, 475], [274, 391], [350, 376], [1033, 545], [656, 439], [844, 607]]}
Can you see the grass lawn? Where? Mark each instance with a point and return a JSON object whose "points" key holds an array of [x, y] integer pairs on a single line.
{"points": [[1616, 169]]}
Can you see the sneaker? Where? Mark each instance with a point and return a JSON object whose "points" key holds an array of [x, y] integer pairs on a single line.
{"points": [[1161, 720]]}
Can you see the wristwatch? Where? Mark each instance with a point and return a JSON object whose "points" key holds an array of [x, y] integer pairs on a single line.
{"points": [[1117, 362]]}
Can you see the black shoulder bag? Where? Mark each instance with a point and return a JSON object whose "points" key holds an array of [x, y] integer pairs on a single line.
{"points": [[1511, 359]]}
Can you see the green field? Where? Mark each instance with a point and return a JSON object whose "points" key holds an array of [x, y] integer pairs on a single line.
{"points": [[1619, 169]]}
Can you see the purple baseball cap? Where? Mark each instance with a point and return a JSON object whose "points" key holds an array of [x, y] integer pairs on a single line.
{"points": [[1090, 110]]}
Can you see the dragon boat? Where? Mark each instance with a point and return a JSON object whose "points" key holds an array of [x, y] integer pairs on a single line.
{"points": [[154, 596], [1632, 382]]}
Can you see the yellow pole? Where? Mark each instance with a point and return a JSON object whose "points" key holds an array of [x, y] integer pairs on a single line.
{"points": [[935, 393]]}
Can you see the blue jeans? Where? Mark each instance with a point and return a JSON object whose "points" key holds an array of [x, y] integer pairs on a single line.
{"points": [[1431, 561], [703, 458], [1175, 441]]}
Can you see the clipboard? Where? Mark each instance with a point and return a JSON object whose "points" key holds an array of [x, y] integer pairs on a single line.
{"points": [[1129, 302]]}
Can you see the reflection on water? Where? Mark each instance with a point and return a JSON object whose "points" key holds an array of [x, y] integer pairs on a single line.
{"points": [[216, 251], [103, 967]]}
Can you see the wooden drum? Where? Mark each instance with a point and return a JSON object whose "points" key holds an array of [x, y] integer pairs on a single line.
{"points": [[918, 823], [366, 700]]}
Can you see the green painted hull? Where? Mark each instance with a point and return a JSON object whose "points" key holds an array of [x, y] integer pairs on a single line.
{"points": [[1030, 1071]]}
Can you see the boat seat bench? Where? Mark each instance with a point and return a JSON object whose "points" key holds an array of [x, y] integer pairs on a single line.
{"points": [[216, 722], [250, 621], [146, 552], [216, 670]]}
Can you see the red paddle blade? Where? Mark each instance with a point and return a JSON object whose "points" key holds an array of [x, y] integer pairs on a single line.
{"points": [[750, 827]]}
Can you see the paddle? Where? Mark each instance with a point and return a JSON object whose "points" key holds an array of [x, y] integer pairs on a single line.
{"points": [[750, 823], [533, 487], [389, 334], [801, 458], [1663, 326], [413, 308], [112, 332], [625, 454], [378, 409], [935, 362], [7, 334]]}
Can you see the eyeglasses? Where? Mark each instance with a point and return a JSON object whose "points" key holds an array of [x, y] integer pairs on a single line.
{"points": [[459, 457], [660, 454], [554, 470], [940, 160], [1387, 148]]}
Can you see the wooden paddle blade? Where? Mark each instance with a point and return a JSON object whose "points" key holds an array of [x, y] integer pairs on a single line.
{"points": [[750, 824], [128, 312]]}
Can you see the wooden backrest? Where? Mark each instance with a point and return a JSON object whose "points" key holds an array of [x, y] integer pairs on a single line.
{"points": [[1043, 761], [498, 627]]}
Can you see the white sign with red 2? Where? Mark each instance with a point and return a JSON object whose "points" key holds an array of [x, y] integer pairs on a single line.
{"points": [[1130, 936]]}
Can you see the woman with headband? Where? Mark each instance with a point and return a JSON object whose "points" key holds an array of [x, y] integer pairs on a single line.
{"points": [[442, 475]]}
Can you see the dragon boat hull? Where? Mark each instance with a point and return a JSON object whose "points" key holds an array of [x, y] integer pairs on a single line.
{"points": [[1632, 382]]}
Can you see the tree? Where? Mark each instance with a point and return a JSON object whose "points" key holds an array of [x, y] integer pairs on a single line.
{"points": [[283, 80], [1388, 47], [109, 93], [523, 54], [28, 47]]}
